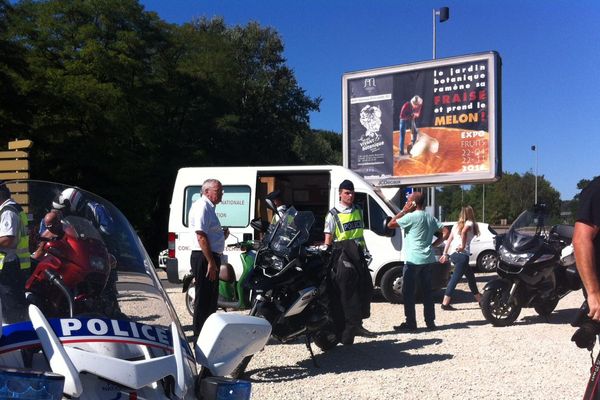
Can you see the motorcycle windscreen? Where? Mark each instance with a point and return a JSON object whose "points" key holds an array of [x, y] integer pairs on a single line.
{"points": [[90, 277], [525, 233], [292, 230]]}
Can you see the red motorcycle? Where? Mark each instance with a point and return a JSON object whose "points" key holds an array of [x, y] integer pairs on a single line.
{"points": [[72, 272]]}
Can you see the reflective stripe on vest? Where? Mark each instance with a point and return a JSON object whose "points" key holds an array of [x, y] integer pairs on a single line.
{"points": [[22, 249], [349, 226]]}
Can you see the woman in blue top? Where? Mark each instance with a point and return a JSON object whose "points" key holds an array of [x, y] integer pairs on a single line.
{"points": [[458, 250]]}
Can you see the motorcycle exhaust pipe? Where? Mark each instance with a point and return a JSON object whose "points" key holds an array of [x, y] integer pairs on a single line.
{"points": [[57, 281]]}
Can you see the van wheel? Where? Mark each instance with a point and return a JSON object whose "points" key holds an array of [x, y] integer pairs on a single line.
{"points": [[391, 285]]}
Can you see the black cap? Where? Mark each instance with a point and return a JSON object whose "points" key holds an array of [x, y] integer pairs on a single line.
{"points": [[346, 184], [275, 194]]}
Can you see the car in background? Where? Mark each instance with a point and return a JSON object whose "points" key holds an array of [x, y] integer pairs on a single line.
{"points": [[483, 248]]}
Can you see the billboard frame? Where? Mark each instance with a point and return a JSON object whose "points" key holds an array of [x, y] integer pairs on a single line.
{"points": [[494, 116]]}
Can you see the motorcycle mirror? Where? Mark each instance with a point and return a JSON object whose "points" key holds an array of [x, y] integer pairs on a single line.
{"points": [[259, 225], [270, 205], [388, 232]]}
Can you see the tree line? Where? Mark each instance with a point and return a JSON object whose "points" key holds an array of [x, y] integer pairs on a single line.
{"points": [[116, 100]]}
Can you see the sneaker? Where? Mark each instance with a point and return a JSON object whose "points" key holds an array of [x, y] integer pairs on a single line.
{"points": [[405, 327], [448, 307], [362, 331]]}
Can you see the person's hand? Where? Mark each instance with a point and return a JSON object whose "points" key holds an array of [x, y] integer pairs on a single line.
{"points": [[226, 232], [460, 248], [212, 271], [594, 305], [444, 259]]}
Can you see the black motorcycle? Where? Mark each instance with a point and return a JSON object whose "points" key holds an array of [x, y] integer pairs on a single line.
{"points": [[288, 285], [536, 269]]}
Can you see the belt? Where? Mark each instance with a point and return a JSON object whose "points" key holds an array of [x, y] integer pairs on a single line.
{"points": [[215, 253]]}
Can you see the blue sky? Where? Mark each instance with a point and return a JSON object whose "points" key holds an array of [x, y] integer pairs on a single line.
{"points": [[550, 52]]}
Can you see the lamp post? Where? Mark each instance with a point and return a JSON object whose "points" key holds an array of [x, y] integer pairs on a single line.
{"points": [[444, 14], [534, 149]]}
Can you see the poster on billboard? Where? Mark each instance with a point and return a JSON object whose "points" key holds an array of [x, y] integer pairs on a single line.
{"points": [[425, 123]]}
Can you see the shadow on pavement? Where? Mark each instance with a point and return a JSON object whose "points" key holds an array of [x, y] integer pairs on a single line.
{"points": [[366, 356]]}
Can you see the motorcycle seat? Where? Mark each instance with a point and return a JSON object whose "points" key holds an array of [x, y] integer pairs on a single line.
{"points": [[226, 273]]}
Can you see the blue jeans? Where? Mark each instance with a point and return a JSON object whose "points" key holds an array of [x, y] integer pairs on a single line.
{"points": [[461, 267], [404, 125], [411, 274]]}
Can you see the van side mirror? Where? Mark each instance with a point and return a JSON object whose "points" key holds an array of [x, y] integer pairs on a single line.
{"points": [[388, 232]]}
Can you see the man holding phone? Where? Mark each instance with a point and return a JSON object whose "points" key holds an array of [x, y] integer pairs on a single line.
{"points": [[419, 229]]}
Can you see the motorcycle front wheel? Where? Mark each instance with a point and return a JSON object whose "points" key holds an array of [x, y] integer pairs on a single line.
{"points": [[496, 309], [190, 296]]}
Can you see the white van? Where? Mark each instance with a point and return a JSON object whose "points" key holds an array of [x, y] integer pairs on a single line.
{"points": [[307, 188]]}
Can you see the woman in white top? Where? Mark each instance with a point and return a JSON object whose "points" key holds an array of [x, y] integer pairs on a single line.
{"points": [[458, 250]]}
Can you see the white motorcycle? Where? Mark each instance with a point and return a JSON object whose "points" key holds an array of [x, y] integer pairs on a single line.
{"points": [[92, 320]]}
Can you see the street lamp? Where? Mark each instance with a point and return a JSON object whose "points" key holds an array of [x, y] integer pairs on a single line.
{"points": [[444, 14], [534, 149]]}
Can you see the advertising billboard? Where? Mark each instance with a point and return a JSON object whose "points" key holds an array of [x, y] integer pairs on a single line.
{"points": [[431, 122]]}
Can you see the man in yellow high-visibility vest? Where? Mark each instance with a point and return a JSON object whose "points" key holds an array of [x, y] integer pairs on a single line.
{"points": [[352, 286], [14, 254]]}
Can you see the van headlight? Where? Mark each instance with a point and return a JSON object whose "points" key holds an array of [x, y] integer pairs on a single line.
{"points": [[29, 384], [512, 258]]}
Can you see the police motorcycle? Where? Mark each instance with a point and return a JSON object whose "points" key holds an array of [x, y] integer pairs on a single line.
{"points": [[536, 269], [233, 293], [288, 284], [59, 340]]}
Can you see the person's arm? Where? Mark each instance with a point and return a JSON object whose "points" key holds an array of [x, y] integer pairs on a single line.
{"points": [[583, 243], [444, 256], [212, 271], [7, 241], [409, 207], [445, 232], [328, 239]]}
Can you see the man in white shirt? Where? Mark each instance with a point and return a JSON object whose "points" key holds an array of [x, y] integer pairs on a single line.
{"points": [[207, 250]]}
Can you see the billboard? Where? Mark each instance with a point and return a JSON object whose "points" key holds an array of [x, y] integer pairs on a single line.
{"points": [[425, 123]]}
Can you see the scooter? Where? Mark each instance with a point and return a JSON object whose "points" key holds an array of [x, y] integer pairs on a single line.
{"points": [[233, 293], [536, 269]]}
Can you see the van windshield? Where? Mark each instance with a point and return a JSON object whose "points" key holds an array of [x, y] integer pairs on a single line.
{"points": [[388, 203]]}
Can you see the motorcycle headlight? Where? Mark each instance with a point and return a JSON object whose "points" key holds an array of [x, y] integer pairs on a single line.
{"points": [[97, 263], [512, 258], [28, 384], [275, 263]]}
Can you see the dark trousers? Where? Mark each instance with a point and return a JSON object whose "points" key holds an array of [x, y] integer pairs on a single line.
{"points": [[207, 292], [461, 267], [12, 286], [421, 273]]}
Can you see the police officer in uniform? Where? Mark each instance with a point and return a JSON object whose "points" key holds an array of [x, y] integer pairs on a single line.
{"points": [[275, 197], [15, 260], [352, 286]]}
